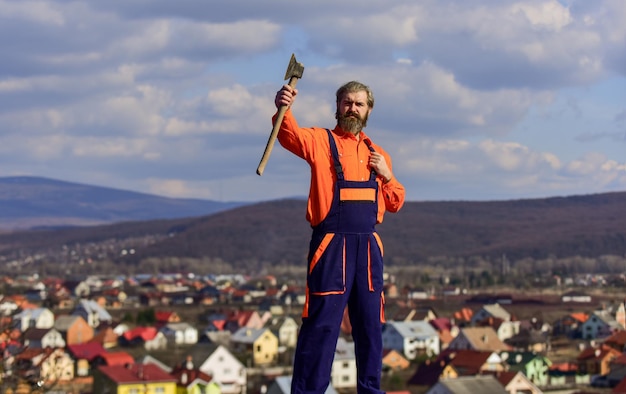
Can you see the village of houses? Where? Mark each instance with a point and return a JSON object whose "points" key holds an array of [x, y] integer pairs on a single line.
{"points": [[234, 335]]}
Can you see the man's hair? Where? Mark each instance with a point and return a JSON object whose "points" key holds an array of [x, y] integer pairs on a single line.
{"points": [[353, 87]]}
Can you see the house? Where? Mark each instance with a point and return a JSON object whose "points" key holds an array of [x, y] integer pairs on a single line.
{"points": [[259, 345], [113, 358], [74, 329], [217, 322], [148, 337], [486, 384], [8, 306], [534, 366], [343, 370], [446, 329], [52, 365], [469, 362], [148, 359], [567, 374], [498, 318], [490, 311], [164, 317], [617, 341], [408, 313], [180, 333], [134, 378], [93, 313], [209, 295], [516, 382], [282, 385], [85, 354], [411, 338], [596, 361], [120, 328], [452, 364], [286, 329], [43, 338], [478, 338], [57, 366], [569, 325], [393, 360], [106, 337], [190, 380], [219, 363], [78, 288], [243, 319], [505, 329], [600, 324], [529, 340], [34, 318], [463, 316]]}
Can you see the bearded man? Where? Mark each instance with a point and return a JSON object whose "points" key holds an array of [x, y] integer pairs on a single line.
{"points": [[352, 185]]}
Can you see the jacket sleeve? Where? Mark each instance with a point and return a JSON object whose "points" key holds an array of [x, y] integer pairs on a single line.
{"points": [[393, 191], [296, 140]]}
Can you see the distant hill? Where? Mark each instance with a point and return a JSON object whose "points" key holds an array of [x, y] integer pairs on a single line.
{"points": [[30, 202], [276, 232]]}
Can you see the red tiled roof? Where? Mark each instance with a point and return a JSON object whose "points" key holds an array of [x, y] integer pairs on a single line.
{"points": [[506, 377], [117, 358], [162, 316], [618, 338], [191, 376], [580, 316], [87, 351], [136, 373], [464, 315], [145, 333]]}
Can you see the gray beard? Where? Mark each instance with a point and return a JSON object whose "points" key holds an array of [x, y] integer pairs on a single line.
{"points": [[351, 125]]}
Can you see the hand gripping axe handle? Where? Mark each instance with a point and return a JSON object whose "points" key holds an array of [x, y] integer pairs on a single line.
{"points": [[294, 72]]}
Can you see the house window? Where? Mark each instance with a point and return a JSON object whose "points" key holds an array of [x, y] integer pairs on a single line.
{"points": [[159, 390], [133, 391]]}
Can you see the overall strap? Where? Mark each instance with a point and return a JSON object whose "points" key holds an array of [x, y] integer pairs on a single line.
{"points": [[373, 172], [335, 155]]}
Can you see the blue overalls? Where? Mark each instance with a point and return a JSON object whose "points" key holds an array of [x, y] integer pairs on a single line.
{"points": [[345, 267]]}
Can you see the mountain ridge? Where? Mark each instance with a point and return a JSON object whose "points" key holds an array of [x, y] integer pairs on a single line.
{"points": [[31, 202], [275, 232]]}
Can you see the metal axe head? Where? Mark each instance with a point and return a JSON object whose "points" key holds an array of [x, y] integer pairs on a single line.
{"points": [[295, 69]]}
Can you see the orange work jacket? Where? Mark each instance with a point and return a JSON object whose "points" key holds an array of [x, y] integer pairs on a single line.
{"points": [[311, 144]]}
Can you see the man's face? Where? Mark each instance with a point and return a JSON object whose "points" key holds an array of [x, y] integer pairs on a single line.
{"points": [[353, 111]]}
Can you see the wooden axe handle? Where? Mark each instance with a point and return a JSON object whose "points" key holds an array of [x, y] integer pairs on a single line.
{"points": [[274, 133]]}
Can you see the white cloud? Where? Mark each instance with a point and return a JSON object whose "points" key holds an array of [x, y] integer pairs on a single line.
{"points": [[178, 97], [32, 11]]}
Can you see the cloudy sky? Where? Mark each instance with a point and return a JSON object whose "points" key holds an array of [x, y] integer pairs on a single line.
{"points": [[475, 100]]}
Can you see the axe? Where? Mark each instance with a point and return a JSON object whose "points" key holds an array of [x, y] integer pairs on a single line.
{"points": [[294, 72]]}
